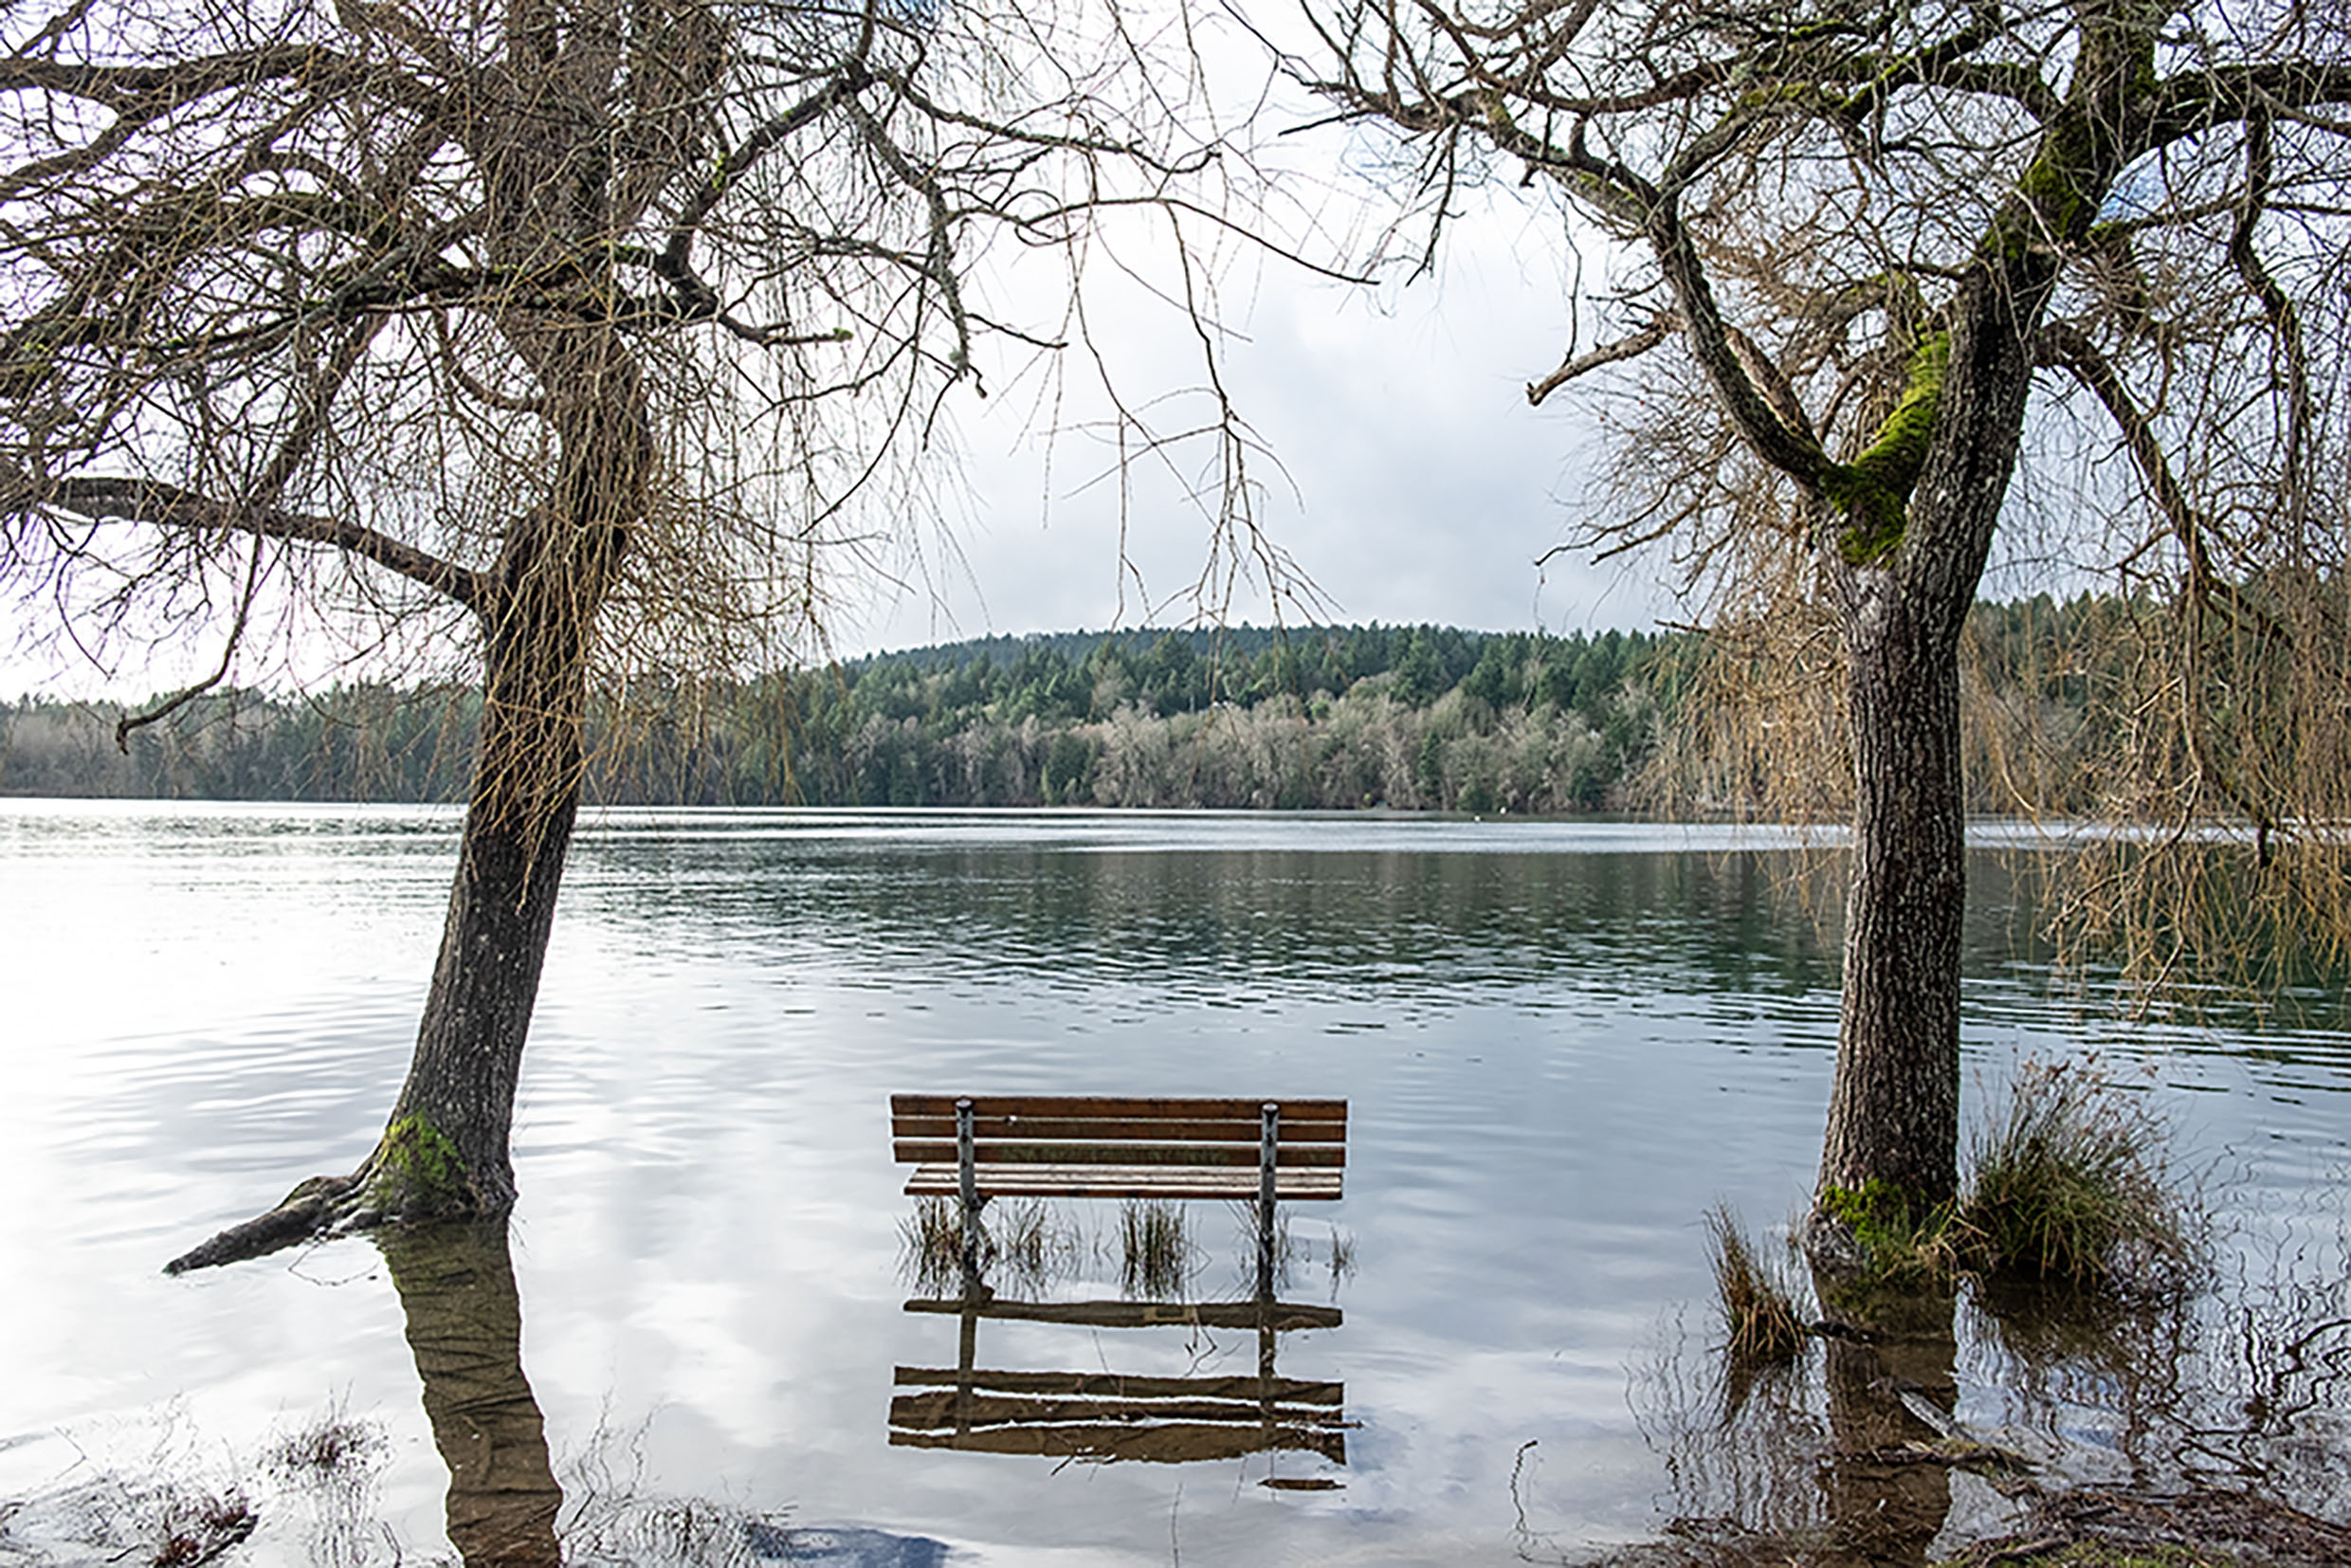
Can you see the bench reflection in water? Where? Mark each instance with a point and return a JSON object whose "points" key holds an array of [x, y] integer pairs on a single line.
{"points": [[1107, 1415]]}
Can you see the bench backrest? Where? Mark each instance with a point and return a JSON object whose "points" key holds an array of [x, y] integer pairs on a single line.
{"points": [[1045, 1129]]}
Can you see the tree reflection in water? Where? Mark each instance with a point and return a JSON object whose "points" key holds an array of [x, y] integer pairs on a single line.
{"points": [[1770, 1460], [2132, 1417], [1896, 1389], [465, 1327]]}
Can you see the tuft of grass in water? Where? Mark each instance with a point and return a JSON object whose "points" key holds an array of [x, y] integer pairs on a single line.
{"points": [[931, 1246], [2074, 1184], [1758, 1303], [1155, 1249], [2069, 1182], [1292, 1251], [333, 1444], [1342, 1258], [1024, 1240], [1030, 1243]]}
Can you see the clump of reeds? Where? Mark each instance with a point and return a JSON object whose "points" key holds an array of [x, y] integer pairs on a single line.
{"points": [[1341, 1258], [1757, 1303], [1155, 1247], [2074, 1184], [1023, 1242], [2070, 1182], [931, 1246]]}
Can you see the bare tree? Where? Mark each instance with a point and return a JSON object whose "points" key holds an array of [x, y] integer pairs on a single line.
{"points": [[1858, 256], [578, 327]]}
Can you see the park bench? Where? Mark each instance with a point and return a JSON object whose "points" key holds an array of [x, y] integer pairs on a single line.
{"points": [[977, 1147]]}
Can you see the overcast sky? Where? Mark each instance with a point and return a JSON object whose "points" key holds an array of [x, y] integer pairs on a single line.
{"points": [[1406, 476]]}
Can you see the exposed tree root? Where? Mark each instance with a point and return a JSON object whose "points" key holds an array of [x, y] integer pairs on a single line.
{"points": [[323, 1205], [392, 1186]]}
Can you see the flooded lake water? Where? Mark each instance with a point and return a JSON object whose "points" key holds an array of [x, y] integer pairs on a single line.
{"points": [[1561, 1044]]}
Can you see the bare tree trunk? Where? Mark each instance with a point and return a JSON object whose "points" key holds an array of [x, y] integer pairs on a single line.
{"points": [[444, 1149], [1893, 1115]]}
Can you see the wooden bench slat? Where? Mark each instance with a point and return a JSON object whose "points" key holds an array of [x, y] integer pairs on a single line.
{"points": [[1283, 1317], [1096, 1129], [1118, 1385], [1168, 1181], [947, 1408], [1005, 1152], [1116, 1106], [1172, 1443]]}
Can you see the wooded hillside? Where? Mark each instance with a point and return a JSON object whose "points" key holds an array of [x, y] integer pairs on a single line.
{"points": [[1328, 718]]}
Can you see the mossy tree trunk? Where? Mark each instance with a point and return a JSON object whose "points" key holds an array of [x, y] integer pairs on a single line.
{"points": [[1894, 1106], [446, 296], [444, 1149], [1855, 230]]}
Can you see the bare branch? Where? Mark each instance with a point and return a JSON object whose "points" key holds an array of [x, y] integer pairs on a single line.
{"points": [[2285, 319], [1631, 346], [169, 507]]}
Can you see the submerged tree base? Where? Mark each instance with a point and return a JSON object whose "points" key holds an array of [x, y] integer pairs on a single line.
{"points": [[2070, 1179]]}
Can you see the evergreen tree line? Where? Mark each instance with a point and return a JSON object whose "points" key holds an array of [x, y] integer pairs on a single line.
{"points": [[1408, 717], [1415, 718]]}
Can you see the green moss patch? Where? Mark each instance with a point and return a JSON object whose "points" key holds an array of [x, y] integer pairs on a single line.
{"points": [[426, 1167], [1873, 490]]}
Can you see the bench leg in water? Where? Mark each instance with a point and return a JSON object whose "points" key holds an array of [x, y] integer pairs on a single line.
{"points": [[1268, 1137], [967, 1177]]}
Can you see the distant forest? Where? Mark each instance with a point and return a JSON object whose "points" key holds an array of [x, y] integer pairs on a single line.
{"points": [[1328, 718]]}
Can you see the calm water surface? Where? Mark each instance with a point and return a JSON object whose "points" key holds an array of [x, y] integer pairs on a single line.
{"points": [[1561, 1044]]}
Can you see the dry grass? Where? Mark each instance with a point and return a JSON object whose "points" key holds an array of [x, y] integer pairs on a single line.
{"points": [[1757, 1301], [1155, 1249], [2073, 1182], [335, 1443]]}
